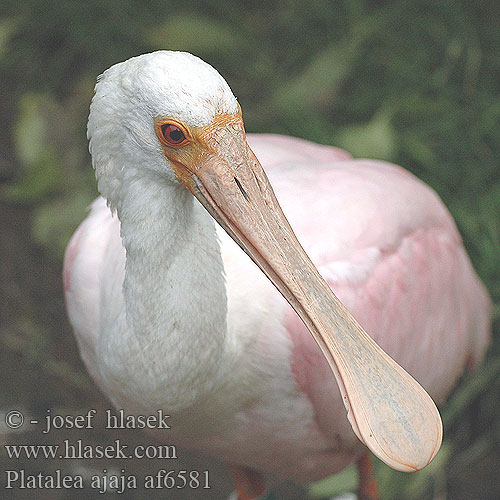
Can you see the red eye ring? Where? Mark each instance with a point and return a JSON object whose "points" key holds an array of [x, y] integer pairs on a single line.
{"points": [[173, 134]]}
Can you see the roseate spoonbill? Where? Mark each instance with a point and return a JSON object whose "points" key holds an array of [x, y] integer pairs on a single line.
{"points": [[171, 314]]}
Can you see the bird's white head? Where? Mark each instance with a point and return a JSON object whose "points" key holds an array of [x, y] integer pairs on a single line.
{"points": [[133, 99]]}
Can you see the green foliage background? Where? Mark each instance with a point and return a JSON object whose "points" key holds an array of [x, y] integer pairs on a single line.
{"points": [[416, 82]]}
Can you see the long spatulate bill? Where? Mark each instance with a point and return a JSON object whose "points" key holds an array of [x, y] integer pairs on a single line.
{"points": [[388, 410]]}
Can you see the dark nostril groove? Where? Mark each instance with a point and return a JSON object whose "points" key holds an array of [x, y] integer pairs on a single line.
{"points": [[243, 192]]}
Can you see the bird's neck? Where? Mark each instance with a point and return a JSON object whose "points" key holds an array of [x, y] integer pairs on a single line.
{"points": [[174, 287]]}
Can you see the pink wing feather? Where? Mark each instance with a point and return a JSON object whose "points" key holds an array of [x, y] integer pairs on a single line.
{"points": [[84, 260]]}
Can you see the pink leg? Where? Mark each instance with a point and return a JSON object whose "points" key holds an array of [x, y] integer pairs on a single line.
{"points": [[249, 484], [368, 489]]}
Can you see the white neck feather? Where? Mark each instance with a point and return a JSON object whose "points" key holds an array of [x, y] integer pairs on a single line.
{"points": [[174, 288]]}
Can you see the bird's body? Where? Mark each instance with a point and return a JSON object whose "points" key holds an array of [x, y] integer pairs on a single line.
{"points": [[172, 314], [383, 241]]}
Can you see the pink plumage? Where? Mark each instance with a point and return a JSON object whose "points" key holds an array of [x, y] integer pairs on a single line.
{"points": [[389, 249]]}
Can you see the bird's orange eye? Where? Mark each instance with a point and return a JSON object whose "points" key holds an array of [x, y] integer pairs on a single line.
{"points": [[173, 135]]}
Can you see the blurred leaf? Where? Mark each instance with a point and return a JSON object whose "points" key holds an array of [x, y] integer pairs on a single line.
{"points": [[40, 179], [317, 85], [375, 139], [326, 71], [30, 132], [199, 35], [41, 164], [473, 386], [54, 222], [418, 149], [8, 27], [346, 480]]}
